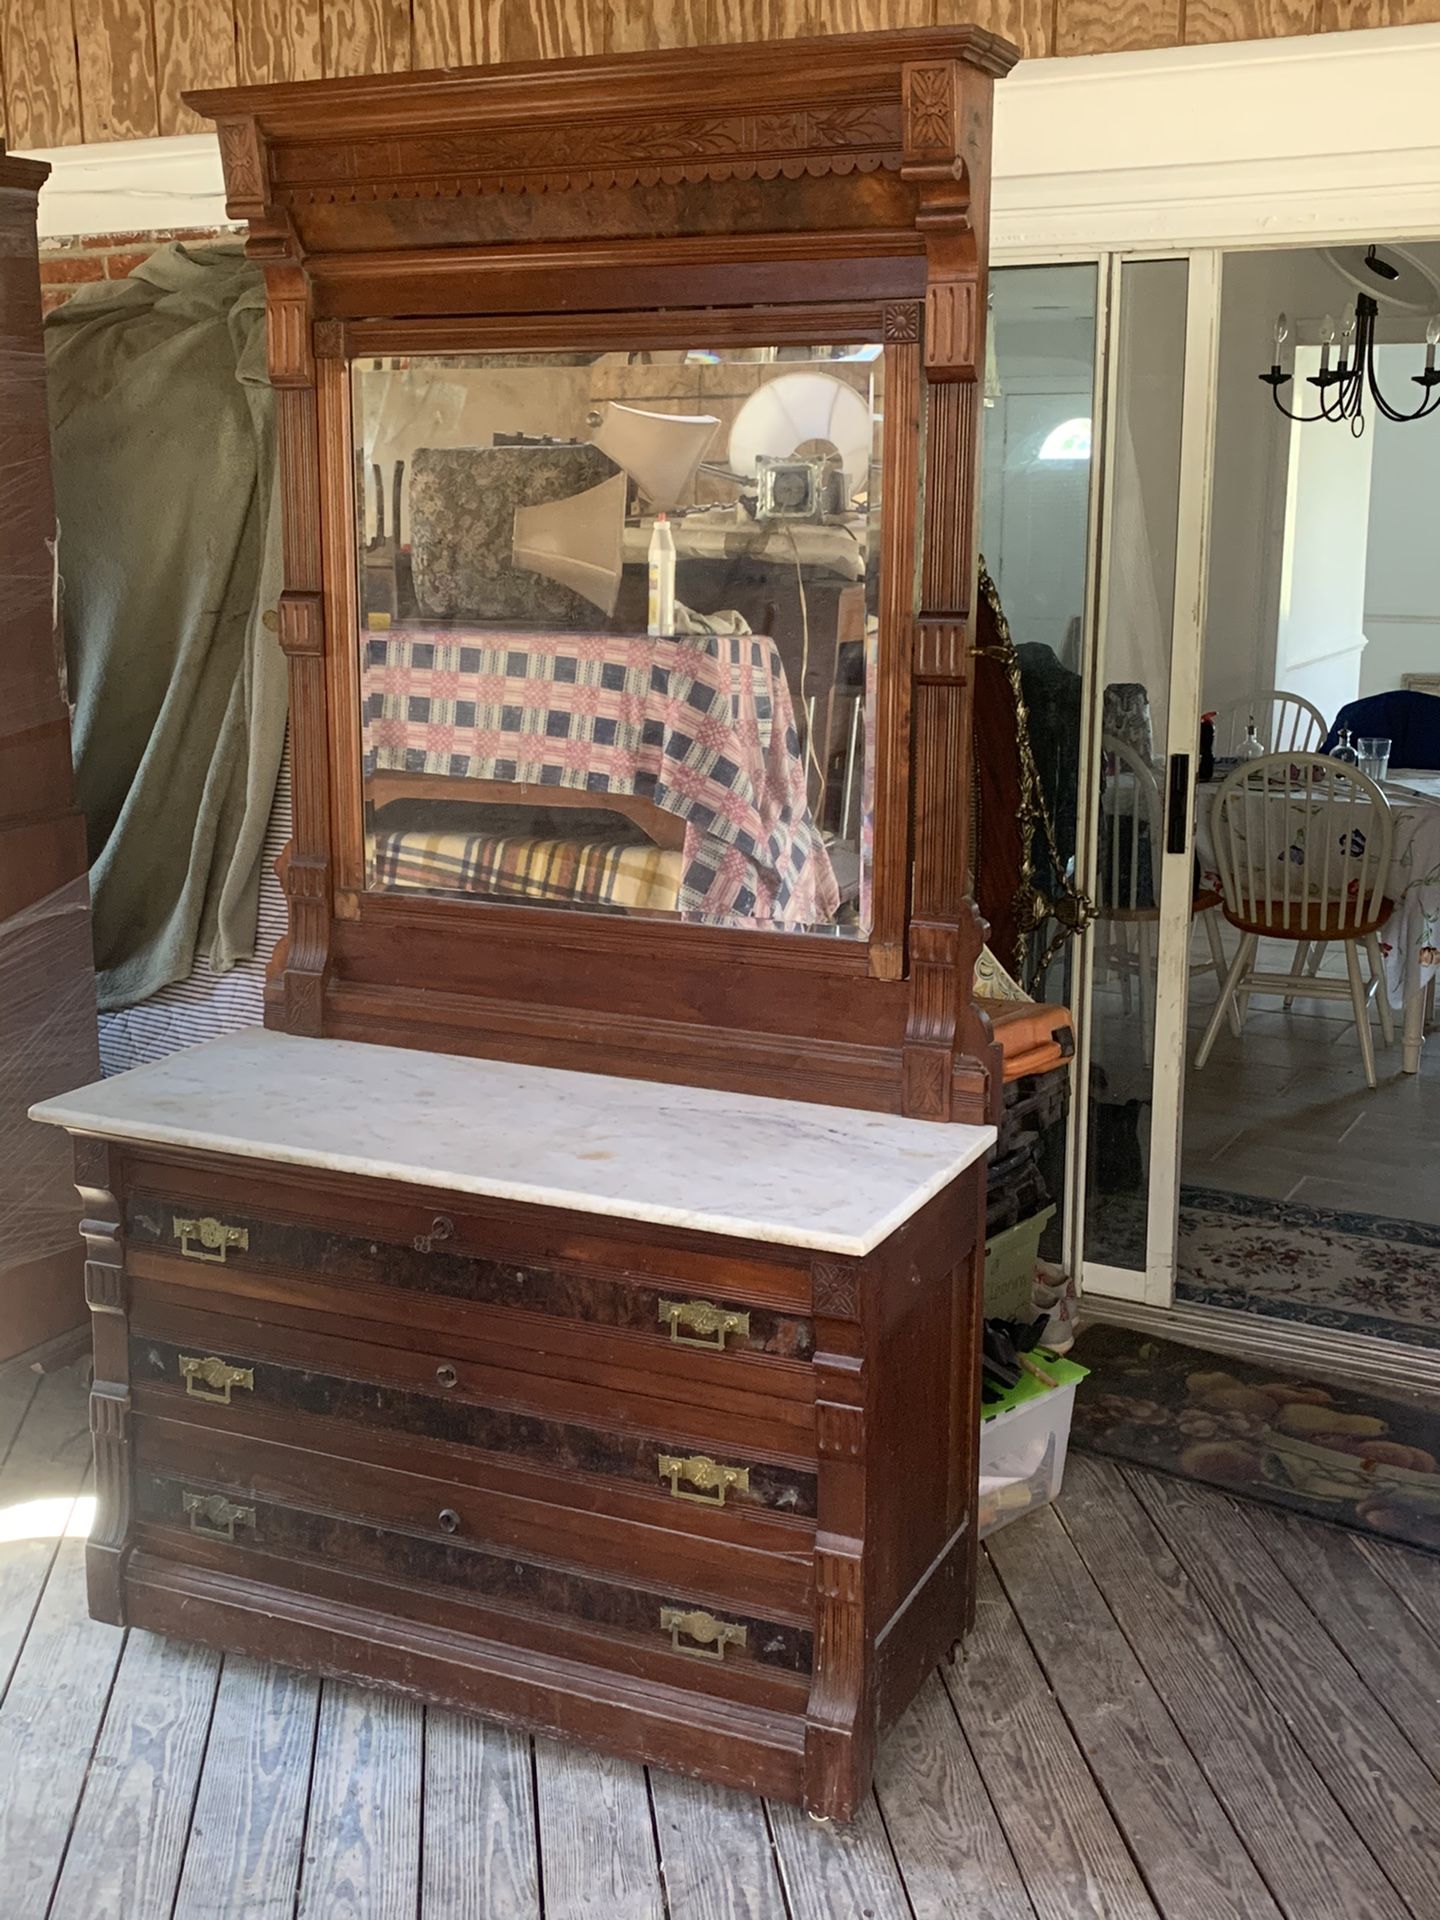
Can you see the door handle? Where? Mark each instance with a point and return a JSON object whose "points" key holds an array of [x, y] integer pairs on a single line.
{"points": [[1177, 799]]}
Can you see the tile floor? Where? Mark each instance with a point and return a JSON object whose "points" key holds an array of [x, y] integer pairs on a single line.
{"points": [[1283, 1113]]}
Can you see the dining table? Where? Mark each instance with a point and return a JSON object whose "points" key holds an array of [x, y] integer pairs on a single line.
{"points": [[1410, 937]]}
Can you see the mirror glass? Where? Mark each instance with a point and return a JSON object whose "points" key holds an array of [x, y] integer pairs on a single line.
{"points": [[619, 629]]}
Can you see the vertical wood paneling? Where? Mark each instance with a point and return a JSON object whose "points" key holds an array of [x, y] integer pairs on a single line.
{"points": [[194, 47], [277, 40], [1115, 26], [1027, 24], [115, 43], [442, 34], [634, 26], [365, 36], [1207, 20], [538, 29], [42, 86]]}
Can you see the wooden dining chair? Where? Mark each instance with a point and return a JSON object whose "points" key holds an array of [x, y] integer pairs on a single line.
{"points": [[1131, 847], [1303, 846], [1284, 723]]}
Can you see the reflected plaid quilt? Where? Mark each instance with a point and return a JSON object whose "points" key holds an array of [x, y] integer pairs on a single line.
{"points": [[601, 873], [700, 724]]}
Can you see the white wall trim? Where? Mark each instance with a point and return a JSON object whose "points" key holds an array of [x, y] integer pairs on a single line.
{"points": [[1262, 143], [132, 186]]}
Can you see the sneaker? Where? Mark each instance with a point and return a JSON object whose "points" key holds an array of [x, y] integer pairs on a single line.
{"points": [[1057, 1297]]}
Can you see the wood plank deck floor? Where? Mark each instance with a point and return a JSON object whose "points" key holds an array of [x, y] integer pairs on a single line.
{"points": [[1174, 1708]]}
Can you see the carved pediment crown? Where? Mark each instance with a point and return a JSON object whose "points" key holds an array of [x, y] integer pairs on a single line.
{"points": [[853, 137], [755, 112]]}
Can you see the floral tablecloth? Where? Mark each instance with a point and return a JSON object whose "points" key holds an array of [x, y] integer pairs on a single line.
{"points": [[1410, 938]]}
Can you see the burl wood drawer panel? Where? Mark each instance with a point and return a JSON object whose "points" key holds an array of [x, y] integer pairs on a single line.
{"points": [[645, 1341], [737, 1557], [439, 1575], [462, 1404]]}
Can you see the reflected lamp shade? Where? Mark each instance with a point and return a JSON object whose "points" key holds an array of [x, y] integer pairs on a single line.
{"points": [[579, 541], [660, 451], [789, 412]]}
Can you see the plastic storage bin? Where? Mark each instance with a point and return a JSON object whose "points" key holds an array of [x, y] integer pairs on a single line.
{"points": [[1023, 1439], [1010, 1261]]}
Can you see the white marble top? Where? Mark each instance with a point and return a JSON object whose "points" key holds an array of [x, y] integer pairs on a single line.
{"points": [[829, 1178]]}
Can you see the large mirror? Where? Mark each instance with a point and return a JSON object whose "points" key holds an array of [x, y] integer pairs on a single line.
{"points": [[619, 630]]}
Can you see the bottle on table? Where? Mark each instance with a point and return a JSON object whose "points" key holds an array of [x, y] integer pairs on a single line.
{"points": [[662, 577], [1254, 747], [1343, 750]]}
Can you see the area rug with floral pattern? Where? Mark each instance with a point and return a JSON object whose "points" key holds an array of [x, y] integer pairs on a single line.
{"points": [[1359, 1458], [1354, 1272]]}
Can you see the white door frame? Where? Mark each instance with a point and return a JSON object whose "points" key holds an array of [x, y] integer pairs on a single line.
{"points": [[1155, 1284]]}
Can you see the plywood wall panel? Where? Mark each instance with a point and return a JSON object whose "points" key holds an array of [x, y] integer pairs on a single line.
{"points": [[74, 70], [194, 47], [538, 29], [442, 34], [365, 36], [868, 16], [1335, 15], [1027, 24], [42, 83], [115, 47], [737, 20], [634, 26], [277, 40], [1115, 26], [1211, 20]]}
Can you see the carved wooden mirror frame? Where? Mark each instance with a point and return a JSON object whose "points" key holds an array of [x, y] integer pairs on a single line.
{"points": [[834, 190]]}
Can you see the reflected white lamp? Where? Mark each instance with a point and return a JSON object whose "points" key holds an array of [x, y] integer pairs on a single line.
{"points": [[796, 408], [578, 542]]}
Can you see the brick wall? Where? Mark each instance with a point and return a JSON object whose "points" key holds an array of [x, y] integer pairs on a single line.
{"points": [[71, 263]]}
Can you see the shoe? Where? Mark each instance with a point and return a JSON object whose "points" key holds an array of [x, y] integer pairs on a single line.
{"points": [[1057, 1297]]}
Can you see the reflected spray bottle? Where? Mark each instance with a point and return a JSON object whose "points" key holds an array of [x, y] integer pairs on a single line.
{"points": [[662, 577]]}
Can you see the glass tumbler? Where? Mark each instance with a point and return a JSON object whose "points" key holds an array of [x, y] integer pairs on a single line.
{"points": [[1374, 757]]}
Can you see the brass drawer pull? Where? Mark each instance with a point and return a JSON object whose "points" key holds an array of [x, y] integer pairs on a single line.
{"points": [[211, 1378], [216, 1518], [446, 1374], [709, 1322], [713, 1635], [214, 1237], [713, 1480], [449, 1520]]}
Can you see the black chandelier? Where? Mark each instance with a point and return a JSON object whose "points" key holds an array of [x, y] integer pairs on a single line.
{"points": [[1343, 387]]}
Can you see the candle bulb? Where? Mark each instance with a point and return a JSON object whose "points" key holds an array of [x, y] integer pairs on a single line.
{"points": [[1282, 332], [1432, 340], [1327, 340]]}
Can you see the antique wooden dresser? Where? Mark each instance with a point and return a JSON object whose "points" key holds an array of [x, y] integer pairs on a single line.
{"points": [[567, 1306]]}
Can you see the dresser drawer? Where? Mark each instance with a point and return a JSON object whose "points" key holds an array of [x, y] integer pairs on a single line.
{"points": [[629, 1334], [425, 1397], [656, 1631], [733, 1556]]}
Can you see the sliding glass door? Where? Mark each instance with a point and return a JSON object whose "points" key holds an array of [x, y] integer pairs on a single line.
{"points": [[1100, 399]]}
